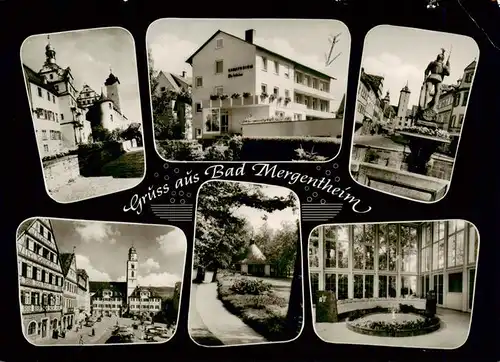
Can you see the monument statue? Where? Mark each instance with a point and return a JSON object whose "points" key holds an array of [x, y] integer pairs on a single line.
{"points": [[431, 89]]}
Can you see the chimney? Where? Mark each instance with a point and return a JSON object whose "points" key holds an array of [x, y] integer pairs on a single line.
{"points": [[249, 35], [183, 74]]}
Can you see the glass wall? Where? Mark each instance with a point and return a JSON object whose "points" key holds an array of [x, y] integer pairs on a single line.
{"points": [[397, 260]]}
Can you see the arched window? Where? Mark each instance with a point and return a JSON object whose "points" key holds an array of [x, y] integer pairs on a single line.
{"points": [[32, 328]]}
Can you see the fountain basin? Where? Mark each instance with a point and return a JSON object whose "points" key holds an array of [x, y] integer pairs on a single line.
{"points": [[393, 324], [421, 136]]}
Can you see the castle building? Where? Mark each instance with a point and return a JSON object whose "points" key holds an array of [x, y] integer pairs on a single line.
{"points": [[117, 298], [70, 289], [237, 81], [402, 115], [41, 279], [61, 114]]}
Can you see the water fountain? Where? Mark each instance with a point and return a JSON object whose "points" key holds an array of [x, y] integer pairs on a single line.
{"points": [[425, 136]]}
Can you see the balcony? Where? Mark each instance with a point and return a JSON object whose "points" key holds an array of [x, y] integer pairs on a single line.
{"points": [[27, 282], [27, 309], [310, 91]]}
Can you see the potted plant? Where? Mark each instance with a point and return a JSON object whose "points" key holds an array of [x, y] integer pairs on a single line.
{"points": [[264, 95], [246, 95], [223, 96], [287, 100], [272, 97], [280, 99], [235, 95], [214, 97]]}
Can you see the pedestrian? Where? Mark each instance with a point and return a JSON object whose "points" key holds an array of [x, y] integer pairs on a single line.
{"points": [[81, 339]]}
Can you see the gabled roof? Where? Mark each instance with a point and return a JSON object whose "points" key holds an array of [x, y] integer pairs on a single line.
{"points": [[120, 288], [471, 65], [66, 259], [190, 59], [112, 79], [181, 81], [371, 81], [35, 78]]}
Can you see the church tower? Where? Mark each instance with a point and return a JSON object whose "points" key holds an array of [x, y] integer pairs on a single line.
{"points": [[112, 89], [404, 99], [50, 53], [132, 266]]}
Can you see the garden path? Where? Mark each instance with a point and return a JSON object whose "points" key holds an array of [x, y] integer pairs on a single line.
{"points": [[228, 328]]}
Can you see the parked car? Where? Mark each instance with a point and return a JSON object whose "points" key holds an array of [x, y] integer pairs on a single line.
{"points": [[121, 339], [99, 319]]}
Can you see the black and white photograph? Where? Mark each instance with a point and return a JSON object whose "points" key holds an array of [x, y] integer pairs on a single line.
{"points": [[404, 284], [413, 92], [97, 283], [83, 92], [247, 270], [231, 89]]}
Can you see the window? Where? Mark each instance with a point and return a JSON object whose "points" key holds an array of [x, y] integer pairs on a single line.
{"points": [[388, 238], [336, 244], [48, 95], [337, 283], [62, 117], [408, 239], [198, 107], [468, 77], [315, 83], [276, 67], [263, 88], [456, 230], [297, 116], [455, 283], [110, 106], [46, 148], [276, 91], [387, 286], [287, 93], [473, 244], [219, 90], [456, 100], [163, 89], [199, 82], [465, 98], [212, 121], [314, 254], [219, 43], [364, 237], [111, 117], [408, 286], [287, 71], [198, 132], [460, 120], [39, 91], [264, 64], [32, 328], [53, 99], [363, 286], [219, 65], [56, 87], [224, 121]]}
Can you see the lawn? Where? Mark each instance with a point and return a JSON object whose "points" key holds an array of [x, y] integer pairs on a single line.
{"points": [[262, 303], [128, 165]]}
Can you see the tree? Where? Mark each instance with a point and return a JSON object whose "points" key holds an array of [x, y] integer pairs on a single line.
{"points": [[279, 246], [166, 124], [220, 234]]}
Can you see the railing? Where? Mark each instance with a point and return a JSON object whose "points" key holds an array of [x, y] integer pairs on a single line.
{"points": [[302, 88], [318, 113]]}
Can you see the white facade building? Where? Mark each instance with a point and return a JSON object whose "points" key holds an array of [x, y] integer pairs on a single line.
{"points": [[252, 83]]}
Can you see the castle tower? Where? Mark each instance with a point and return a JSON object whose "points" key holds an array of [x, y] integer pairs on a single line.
{"points": [[132, 266], [112, 89], [50, 53], [404, 99]]}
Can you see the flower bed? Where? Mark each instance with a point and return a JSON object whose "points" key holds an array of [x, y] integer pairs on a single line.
{"points": [[417, 323], [425, 131], [256, 304]]}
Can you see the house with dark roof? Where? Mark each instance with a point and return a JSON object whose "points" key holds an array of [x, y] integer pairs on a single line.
{"points": [[108, 298], [241, 87]]}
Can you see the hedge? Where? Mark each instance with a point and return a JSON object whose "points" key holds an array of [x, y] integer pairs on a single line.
{"points": [[93, 156], [237, 148]]}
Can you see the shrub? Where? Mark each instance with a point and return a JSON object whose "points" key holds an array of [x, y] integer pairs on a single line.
{"points": [[250, 286], [182, 150], [371, 156], [303, 155], [246, 94], [92, 156]]}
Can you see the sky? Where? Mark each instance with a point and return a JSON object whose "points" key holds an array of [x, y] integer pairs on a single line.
{"points": [[101, 249], [172, 41], [257, 218], [402, 54], [90, 54]]}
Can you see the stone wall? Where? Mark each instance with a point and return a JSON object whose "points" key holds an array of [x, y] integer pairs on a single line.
{"points": [[440, 166], [60, 171], [313, 128]]}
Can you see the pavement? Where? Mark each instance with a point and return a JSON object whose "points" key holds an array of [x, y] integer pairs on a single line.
{"points": [[225, 326], [452, 334]]}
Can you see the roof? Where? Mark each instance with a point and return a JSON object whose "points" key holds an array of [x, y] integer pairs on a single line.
{"points": [[35, 78], [66, 259], [190, 59], [112, 79], [156, 292], [118, 287], [254, 256], [181, 81], [83, 273], [371, 81], [471, 65], [24, 226]]}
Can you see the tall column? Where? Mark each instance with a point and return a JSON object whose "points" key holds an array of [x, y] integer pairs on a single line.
{"points": [[321, 262], [465, 274], [376, 246], [445, 271], [350, 276], [398, 262]]}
